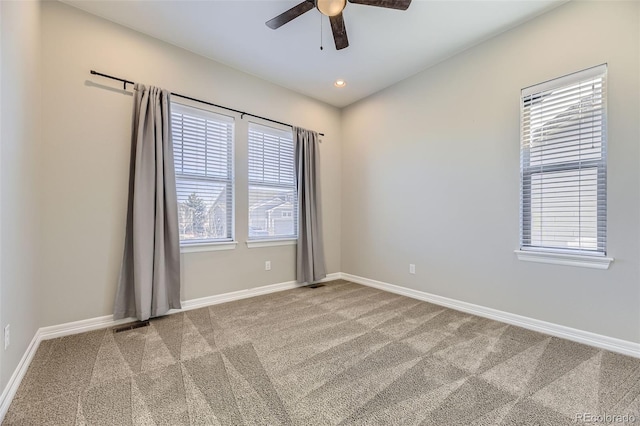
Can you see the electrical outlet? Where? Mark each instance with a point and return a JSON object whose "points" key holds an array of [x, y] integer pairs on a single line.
{"points": [[267, 265], [412, 268], [7, 336]]}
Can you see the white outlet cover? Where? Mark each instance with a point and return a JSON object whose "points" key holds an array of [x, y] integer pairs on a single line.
{"points": [[7, 336]]}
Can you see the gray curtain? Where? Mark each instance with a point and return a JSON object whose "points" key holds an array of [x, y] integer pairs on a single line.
{"points": [[310, 252], [149, 282]]}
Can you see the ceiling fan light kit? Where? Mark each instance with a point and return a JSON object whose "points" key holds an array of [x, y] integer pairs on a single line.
{"points": [[333, 9]]}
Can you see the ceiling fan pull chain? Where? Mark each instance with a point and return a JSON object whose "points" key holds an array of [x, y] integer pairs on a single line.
{"points": [[321, 48]]}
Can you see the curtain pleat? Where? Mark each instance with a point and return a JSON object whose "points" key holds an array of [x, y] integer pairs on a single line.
{"points": [[149, 283]]}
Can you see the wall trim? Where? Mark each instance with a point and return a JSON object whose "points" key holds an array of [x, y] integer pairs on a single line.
{"points": [[75, 327], [581, 260], [612, 344], [18, 374]]}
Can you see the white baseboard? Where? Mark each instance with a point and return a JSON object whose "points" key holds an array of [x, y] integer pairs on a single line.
{"points": [[75, 327], [18, 374], [81, 326], [237, 295], [612, 344], [244, 294]]}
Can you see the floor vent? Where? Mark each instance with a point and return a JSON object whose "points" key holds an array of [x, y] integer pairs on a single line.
{"points": [[131, 326], [315, 285]]}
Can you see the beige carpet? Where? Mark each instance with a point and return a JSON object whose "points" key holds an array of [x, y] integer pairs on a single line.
{"points": [[338, 354]]}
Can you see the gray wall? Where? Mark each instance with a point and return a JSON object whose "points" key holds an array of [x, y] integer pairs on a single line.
{"points": [[85, 154], [431, 174], [19, 135]]}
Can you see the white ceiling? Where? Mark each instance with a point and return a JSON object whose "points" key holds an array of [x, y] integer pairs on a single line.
{"points": [[386, 45]]}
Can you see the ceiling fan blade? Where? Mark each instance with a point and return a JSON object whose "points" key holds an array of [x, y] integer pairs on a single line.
{"points": [[290, 14], [389, 4], [339, 31]]}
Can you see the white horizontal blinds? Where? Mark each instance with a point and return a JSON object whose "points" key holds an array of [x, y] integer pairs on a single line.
{"points": [[203, 157], [563, 164], [273, 206]]}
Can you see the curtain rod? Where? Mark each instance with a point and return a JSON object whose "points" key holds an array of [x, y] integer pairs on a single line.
{"points": [[242, 113]]}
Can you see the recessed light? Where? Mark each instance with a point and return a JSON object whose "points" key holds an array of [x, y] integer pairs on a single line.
{"points": [[340, 83]]}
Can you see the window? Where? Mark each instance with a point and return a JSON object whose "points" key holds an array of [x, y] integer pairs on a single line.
{"points": [[563, 202], [273, 205], [203, 157]]}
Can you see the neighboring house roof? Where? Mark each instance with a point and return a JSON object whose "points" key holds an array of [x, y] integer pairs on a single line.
{"points": [[269, 204], [220, 201], [285, 205], [571, 116]]}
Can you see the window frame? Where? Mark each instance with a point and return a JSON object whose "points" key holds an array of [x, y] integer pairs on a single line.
{"points": [[227, 243], [537, 253], [276, 240]]}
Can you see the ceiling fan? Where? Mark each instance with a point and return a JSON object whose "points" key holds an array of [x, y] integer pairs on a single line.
{"points": [[333, 9]]}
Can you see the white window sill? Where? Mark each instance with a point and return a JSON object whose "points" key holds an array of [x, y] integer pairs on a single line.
{"points": [[271, 243], [580, 260], [197, 248]]}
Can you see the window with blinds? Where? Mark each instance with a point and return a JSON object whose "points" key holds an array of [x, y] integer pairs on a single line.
{"points": [[203, 158], [563, 164], [273, 204]]}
